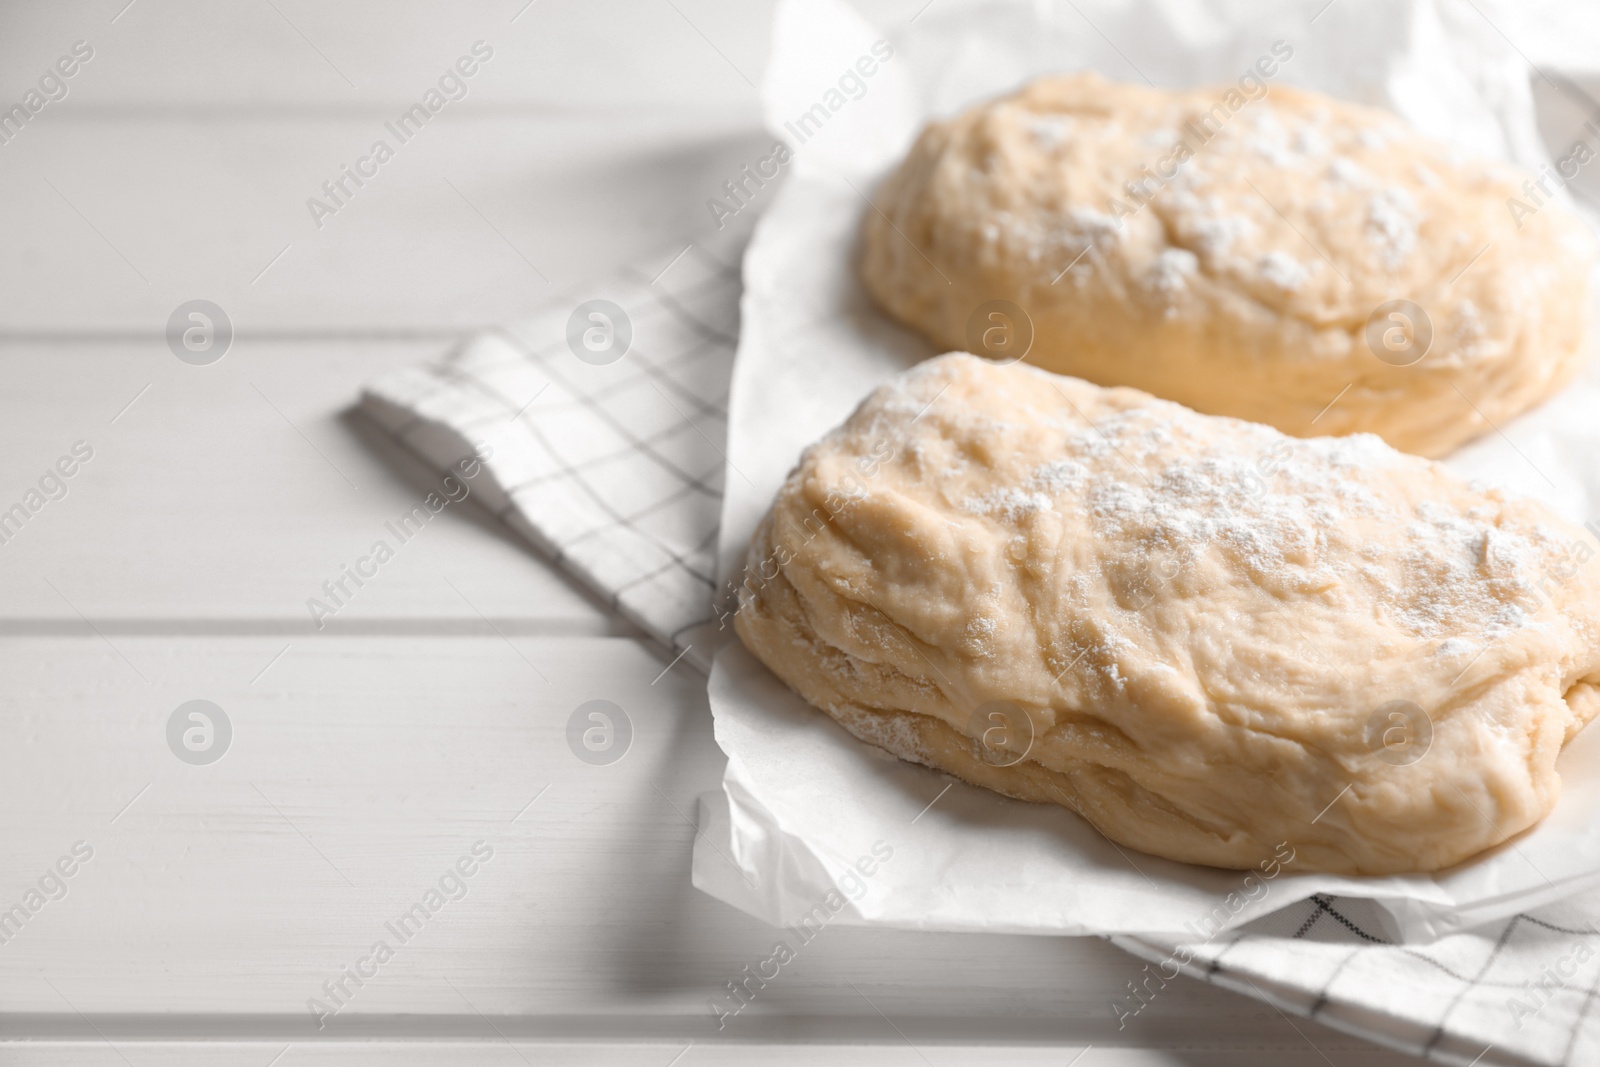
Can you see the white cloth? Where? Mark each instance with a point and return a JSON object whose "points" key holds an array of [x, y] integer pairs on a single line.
{"points": [[615, 472]]}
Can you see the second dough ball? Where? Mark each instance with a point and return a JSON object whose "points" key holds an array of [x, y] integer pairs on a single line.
{"points": [[1266, 253]]}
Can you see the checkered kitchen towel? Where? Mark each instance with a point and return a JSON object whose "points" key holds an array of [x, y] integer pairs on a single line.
{"points": [[602, 419], [605, 441]]}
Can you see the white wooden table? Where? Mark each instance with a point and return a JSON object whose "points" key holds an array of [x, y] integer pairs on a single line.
{"points": [[366, 758]]}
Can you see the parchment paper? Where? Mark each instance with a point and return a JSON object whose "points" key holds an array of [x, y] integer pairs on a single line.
{"points": [[803, 802]]}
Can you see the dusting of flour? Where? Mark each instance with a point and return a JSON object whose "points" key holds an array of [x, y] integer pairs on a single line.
{"points": [[1156, 481]]}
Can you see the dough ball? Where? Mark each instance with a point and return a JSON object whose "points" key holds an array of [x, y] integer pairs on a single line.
{"points": [[1288, 259], [1206, 637]]}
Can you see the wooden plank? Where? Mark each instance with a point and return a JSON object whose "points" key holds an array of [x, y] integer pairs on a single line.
{"points": [[661, 1054], [555, 53], [226, 495], [112, 224], [219, 898]]}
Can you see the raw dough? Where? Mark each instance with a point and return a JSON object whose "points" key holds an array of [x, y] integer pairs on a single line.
{"points": [[1212, 631], [1245, 286]]}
